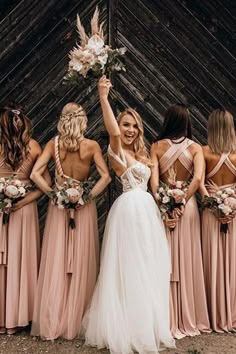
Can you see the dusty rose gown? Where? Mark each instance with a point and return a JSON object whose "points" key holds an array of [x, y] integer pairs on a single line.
{"points": [[188, 306], [68, 270], [219, 262], [19, 257]]}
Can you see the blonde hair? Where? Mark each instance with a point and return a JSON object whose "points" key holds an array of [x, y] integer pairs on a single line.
{"points": [[221, 132], [71, 126], [140, 149]]}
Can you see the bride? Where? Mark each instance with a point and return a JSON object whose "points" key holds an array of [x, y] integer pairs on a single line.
{"points": [[130, 306]]}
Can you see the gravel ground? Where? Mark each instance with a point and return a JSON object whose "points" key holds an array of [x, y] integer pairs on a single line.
{"points": [[204, 344]]}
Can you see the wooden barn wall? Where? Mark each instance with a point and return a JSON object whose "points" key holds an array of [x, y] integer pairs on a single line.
{"points": [[178, 51]]}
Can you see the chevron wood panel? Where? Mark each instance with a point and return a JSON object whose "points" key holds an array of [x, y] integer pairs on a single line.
{"points": [[178, 51]]}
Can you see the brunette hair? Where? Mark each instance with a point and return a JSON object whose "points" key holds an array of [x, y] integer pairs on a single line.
{"points": [[15, 134], [176, 123], [221, 132]]}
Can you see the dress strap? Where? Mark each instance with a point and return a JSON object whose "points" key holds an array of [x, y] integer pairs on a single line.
{"points": [[222, 159], [57, 156], [230, 166], [178, 151], [120, 159]]}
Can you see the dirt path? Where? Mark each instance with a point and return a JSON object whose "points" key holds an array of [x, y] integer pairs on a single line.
{"points": [[204, 344]]}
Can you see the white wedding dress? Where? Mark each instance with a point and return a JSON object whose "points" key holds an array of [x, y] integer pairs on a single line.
{"points": [[130, 306]]}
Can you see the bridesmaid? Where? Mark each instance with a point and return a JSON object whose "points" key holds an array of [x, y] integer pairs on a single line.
{"points": [[177, 155], [64, 292], [219, 250], [19, 239]]}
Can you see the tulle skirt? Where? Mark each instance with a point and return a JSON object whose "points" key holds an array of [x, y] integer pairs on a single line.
{"points": [[130, 306]]}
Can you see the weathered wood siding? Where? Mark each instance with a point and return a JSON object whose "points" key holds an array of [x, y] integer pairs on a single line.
{"points": [[178, 50]]}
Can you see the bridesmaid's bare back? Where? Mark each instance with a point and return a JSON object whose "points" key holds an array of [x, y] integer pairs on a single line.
{"points": [[77, 164], [182, 174], [224, 175]]}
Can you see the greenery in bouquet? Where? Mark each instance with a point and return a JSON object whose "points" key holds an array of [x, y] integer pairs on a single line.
{"points": [[92, 58]]}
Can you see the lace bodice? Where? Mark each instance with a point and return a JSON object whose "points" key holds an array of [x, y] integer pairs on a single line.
{"points": [[135, 176]]}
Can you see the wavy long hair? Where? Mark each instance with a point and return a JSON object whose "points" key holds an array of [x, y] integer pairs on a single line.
{"points": [[221, 132], [71, 126], [140, 149], [15, 134], [176, 123]]}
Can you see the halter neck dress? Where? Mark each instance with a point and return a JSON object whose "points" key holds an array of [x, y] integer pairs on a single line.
{"points": [[188, 307], [68, 269], [19, 256], [219, 262]]}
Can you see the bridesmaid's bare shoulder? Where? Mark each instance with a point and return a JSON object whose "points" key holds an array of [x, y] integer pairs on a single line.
{"points": [[90, 144], [160, 147], [195, 148], [35, 149]]}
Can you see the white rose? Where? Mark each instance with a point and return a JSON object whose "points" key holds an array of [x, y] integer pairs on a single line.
{"points": [[103, 59], [11, 191], [165, 199], [225, 209], [224, 195], [229, 191], [219, 192], [75, 65], [17, 182], [161, 189], [178, 184], [95, 43], [73, 194]]}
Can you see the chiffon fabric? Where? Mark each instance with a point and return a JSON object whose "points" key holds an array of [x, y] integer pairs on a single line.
{"points": [[188, 306], [219, 262], [19, 257], [68, 269], [130, 306]]}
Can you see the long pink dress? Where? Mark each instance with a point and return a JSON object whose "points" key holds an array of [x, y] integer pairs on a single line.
{"points": [[219, 262], [19, 257], [188, 306], [68, 270]]}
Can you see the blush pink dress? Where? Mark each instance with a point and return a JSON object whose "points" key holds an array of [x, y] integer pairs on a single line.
{"points": [[188, 306], [219, 262], [68, 270], [19, 257]]}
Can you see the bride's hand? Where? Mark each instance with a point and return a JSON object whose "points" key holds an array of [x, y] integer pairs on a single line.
{"points": [[104, 86]]}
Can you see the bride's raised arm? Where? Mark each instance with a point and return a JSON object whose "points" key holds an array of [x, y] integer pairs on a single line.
{"points": [[110, 122]]}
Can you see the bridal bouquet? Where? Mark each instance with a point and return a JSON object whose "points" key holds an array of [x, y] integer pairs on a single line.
{"points": [[92, 58], [72, 196], [171, 196], [11, 191], [222, 203]]}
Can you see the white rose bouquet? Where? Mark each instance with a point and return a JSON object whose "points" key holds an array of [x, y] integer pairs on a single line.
{"points": [[11, 191], [92, 58], [221, 204], [171, 196], [72, 196]]}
